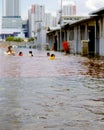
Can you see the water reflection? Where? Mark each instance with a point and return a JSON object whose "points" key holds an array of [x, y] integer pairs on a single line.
{"points": [[39, 94]]}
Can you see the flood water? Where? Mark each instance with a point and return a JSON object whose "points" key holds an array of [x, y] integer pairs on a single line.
{"points": [[41, 94]]}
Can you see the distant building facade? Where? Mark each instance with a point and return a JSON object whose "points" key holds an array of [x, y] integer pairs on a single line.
{"points": [[50, 21], [25, 28], [11, 8], [67, 14], [36, 16], [31, 19], [11, 18], [69, 9]]}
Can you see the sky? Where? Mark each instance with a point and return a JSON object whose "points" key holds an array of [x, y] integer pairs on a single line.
{"points": [[84, 7]]}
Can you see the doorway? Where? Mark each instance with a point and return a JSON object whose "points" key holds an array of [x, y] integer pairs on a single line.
{"points": [[91, 44]]}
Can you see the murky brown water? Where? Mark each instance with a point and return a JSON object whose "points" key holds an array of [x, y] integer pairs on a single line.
{"points": [[41, 94]]}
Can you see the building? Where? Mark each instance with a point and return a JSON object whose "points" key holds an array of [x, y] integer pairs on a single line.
{"points": [[31, 14], [11, 18], [85, 36], [50, 21], [70, 19], [67, 14], [36, 16], [69, 9], [11, 8], [54, 21], [25, 28]]}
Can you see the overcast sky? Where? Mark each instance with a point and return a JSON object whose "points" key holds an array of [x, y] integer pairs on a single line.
{"points": [[84, 7]]}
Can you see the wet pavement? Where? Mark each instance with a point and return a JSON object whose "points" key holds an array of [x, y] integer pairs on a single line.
{"points": [[41, 94]]}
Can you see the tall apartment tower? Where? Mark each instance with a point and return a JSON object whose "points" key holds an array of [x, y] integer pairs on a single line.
{"points": [[11, 17], [36, 16], [69, 9], [11, 8], [50, 21]]}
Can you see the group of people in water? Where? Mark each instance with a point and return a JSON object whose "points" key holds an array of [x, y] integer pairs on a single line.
{"points": [[11, 52], [52, 56]]}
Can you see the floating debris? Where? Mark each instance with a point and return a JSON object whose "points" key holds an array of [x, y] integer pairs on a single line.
{"points": [[95, 68]]}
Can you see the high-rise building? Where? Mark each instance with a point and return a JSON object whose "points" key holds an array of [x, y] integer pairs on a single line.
{"points": [[50, 21], [11, 8], [11, 17], [36, 16], [67, 13], [69, 9]]}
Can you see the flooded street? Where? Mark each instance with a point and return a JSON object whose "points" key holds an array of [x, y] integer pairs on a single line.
{"points": [[41, 94]]}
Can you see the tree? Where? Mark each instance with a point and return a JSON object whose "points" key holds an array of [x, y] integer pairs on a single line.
{"points": [[31, 39]]}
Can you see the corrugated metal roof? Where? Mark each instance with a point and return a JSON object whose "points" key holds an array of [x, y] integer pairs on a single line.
{"points": [[99, 11]]}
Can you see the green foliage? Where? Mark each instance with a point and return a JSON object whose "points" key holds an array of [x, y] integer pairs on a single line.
{"points": [[14, 39], [18, 40], [31, 39], [10, 38]]}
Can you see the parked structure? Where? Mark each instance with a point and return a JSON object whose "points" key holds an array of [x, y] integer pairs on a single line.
{"points": [[84, 34]]}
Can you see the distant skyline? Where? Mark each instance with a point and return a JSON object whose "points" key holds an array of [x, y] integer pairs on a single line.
{"points": [[83, 7]]}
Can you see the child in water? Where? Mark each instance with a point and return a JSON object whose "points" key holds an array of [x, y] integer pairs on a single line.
{"points": [[52, 57], [20, 54], [30, 53], [48, 54]]}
